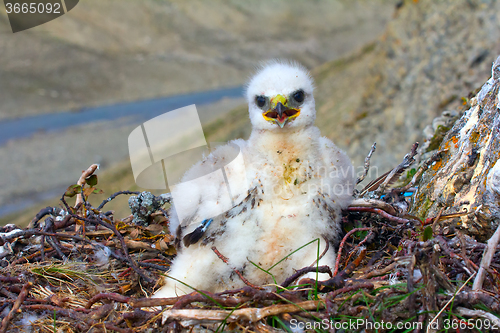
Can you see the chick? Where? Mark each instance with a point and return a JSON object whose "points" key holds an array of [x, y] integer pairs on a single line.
{"points": [[290, 193]]}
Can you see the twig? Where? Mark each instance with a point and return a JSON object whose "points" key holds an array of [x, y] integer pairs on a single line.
{"points": [[52, 242], [43, 212], [109, 296], [226, 261], [391, 176], [105, 201], [377, 272], [327, 247], [152, 302], [246, 293], [68, 208], [486, 260], [111, 327], [379, 212], [432, 220], [251, 315], [335, 293], [157, 267], [52, 308], [79, 314], [140, 316], [339, 254], [438, 216], [208, 297], [9, 279], [407, 161], [359, 244], [374, 203], [367, 163], [42, 249], [300, 272], [411, 287], [5, 237], [478, 297], [65, 222], [446, 249], [479, 313], [447, 303], [81, 181], [17, 304], [421, 170], [102, 311], [122, 242]]}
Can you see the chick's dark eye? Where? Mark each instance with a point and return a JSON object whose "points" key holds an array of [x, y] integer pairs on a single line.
{"points": [[260, 101], [298, 96]]}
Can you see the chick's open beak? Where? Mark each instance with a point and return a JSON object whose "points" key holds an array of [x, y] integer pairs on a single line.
{"points": [[279, 112]]}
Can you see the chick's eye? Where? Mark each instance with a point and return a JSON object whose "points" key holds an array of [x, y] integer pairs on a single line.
{"points": [[260, 101], [298, 96]]}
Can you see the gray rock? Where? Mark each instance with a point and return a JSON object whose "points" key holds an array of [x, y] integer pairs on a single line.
{"points": [[466, 178], [145, 204]]}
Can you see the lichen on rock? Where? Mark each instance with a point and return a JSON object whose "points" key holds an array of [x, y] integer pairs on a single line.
{"points": [[466, 178], [145, 204]]}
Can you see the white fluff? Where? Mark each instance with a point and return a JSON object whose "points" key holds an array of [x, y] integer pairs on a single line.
{"points": [[298, 180], [102, 256], [27, 321]]}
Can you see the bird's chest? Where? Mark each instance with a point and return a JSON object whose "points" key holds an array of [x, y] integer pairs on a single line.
{"points": [[282, 162], [287, 177], [281, 227]]}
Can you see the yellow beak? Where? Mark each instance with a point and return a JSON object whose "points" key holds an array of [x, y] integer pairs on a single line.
{"points": [[279, 112], [278, 99]]}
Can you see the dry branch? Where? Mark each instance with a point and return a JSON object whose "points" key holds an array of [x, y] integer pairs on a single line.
{"points": [[250, 315], [17, 304], [366, 166], [339, 253], [487, 258]]}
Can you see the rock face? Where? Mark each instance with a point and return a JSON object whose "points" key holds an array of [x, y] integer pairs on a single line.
{"points": [[465, 178], [432, 54]]}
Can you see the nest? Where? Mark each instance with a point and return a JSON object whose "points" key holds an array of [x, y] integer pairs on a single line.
{"points": [[77, 269]]}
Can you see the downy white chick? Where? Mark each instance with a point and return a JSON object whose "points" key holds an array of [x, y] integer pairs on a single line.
{"points": [[298, 183]]}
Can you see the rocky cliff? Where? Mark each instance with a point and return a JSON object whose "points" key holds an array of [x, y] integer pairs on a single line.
{"points": [[463, 181], [431, 57]]}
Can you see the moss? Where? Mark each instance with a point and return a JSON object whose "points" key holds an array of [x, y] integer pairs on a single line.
{"points": [[360, 116], [424, 208], [438, 137]]}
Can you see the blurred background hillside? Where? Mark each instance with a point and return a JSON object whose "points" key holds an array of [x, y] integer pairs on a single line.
{"points": [[383, 70], [123, 50]]}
